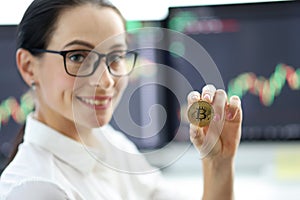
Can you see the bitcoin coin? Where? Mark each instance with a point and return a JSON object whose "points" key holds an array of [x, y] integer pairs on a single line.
{"points": [[200, 113]]}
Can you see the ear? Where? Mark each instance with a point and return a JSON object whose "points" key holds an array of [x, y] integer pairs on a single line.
{"points": [[26, 65]]}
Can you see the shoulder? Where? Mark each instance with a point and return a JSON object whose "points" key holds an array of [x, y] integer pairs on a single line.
{"points": [[30, 161], [35, 189], [30, 158]]}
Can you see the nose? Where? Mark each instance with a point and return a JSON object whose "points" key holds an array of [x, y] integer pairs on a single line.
{"points": [[101, 77]]}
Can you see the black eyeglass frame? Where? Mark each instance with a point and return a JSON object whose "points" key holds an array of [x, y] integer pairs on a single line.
{"points": [[96, 64]]}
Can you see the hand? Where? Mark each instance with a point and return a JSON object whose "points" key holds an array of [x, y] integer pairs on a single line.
{"points": [[218, 142], [225, 126]]}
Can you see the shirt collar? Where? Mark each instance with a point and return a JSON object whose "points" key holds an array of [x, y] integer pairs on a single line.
{"points": [[69, 151]]}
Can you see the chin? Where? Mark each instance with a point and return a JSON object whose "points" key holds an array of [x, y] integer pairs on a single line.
{"points": [[101, 123], [94, 122]]}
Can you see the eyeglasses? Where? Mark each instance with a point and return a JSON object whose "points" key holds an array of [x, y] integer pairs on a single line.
{"points": [[83, 63]]}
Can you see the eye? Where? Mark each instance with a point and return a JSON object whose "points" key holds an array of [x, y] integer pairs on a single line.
{"points": [[77, 56], [116, 57]]}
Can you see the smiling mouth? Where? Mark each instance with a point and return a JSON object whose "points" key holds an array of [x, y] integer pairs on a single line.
{"points": [[96, 102]]}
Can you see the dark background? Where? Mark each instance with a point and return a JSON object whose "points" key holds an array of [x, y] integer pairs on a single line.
{"points": [[254, 38]]}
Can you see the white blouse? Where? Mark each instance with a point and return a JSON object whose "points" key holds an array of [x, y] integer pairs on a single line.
{"points": [[49, 165]]}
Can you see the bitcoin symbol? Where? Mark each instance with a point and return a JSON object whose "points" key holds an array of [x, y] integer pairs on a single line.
{"points": [[200, 113]]}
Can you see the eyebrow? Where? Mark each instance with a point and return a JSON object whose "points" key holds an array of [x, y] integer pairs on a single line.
{"points": [[87, 44], [80, 42], [118, 46]]}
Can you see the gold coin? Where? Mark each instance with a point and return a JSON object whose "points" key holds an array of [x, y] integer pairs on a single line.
{"points": [[200, 113]]}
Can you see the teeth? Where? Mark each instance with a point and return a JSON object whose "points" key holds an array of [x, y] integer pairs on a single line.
{"points": [[95, 102]]}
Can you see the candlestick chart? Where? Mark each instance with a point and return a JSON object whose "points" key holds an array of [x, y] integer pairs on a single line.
{"points": [[17, 111], [267, 89]]}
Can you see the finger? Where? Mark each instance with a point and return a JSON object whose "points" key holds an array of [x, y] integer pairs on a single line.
{"points": [[216, 125], [196, 135], [233, 109], [193, 96], [208, 93], [219, 102]]}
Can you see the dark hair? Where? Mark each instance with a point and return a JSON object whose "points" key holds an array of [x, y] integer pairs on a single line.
{"points": [[37, 27], [38, 23]]}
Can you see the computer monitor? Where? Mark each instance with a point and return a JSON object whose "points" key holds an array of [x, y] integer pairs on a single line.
{"points": [[256, 49]]}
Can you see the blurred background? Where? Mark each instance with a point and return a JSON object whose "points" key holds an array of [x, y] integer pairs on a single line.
{"points": [[255, 46]]}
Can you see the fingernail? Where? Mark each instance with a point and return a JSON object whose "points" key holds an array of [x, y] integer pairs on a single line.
{"points": [[194, 97], [229, 116], [193, 134], [217, 118], [207, 97]]}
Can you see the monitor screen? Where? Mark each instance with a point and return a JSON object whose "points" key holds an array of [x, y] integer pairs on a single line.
{"points": [[254, 46], [256, 49]]}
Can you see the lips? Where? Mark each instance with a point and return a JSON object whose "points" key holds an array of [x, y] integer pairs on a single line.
{"points": [[98, 102]]}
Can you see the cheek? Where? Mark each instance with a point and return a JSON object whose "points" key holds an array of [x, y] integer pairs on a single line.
{"points": [[121, 85], [56, 84], [59, 83]]}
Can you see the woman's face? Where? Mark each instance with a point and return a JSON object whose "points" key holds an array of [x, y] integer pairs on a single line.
{"points": [[63, 100]]}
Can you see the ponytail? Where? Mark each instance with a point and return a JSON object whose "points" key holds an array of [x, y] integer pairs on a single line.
{"points": [[17, 141]]}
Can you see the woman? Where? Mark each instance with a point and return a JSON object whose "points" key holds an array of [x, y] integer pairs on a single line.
{"points": [[55, 38]]}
